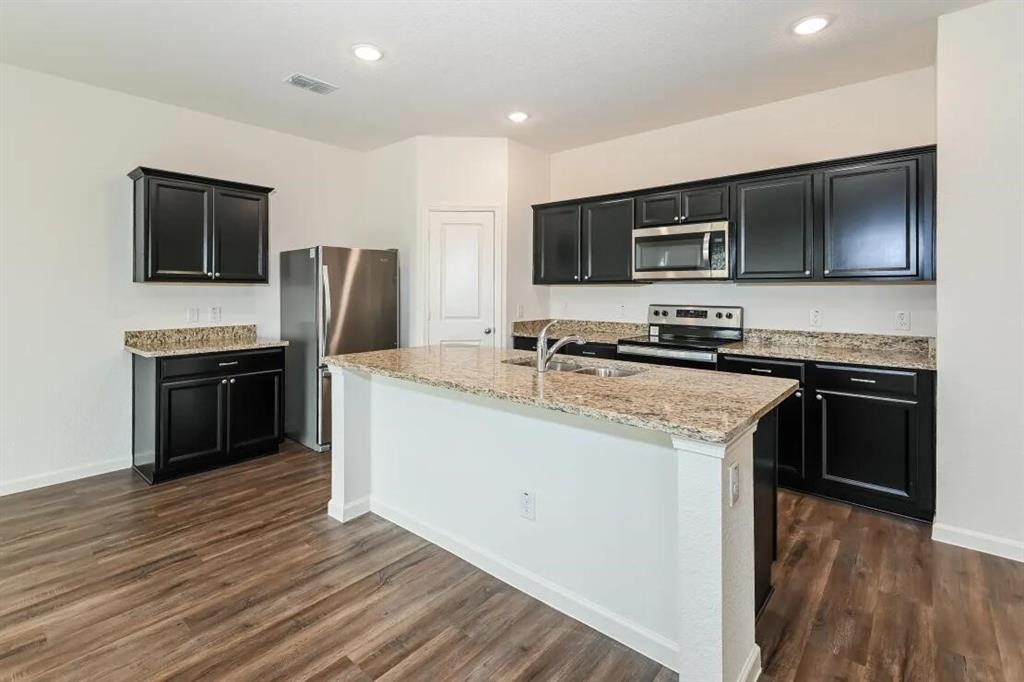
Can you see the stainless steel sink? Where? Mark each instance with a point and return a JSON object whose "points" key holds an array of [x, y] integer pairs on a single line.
{"points": [[608, 372], [553, 366]]}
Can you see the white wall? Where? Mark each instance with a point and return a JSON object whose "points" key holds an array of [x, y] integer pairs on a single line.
{"points": [[528, 183], [66, 239], [980, 486], [888, 113]]}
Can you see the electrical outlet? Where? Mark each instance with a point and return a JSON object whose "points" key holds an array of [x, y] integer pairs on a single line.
{"points": [[192, 315], [622, 312], [214, 313], [734, 483], [815, 317], [565, 309], [528, 505], [902, 321], [520, 311]]}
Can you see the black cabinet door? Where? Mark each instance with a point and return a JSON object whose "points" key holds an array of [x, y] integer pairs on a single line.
{"points": [[178, 230], [775, 228], [240, 236], [792, 460], [192, 423], [661, 208], [704, 205], [556, 245], [868, 451], [870, 225], [607, 241], [254, 411]]}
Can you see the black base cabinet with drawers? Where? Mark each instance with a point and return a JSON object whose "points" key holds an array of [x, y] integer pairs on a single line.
{"points": [[198, 412], [864, 435]]}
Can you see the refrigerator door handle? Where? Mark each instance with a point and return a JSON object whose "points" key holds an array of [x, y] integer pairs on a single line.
{"points": [[326, 279]]}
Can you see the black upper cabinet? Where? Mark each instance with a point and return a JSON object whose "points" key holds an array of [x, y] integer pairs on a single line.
{"points": [[241, 239], [775, 228], [190, 228], [179, 228], [607, 241], [556, 245], [870, 223], [684, 206]]}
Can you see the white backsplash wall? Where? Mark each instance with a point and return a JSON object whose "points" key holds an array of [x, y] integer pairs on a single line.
{"points": [[861, 308]]}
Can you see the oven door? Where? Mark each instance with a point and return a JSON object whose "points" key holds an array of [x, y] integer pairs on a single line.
{"points": [[681, 252]]}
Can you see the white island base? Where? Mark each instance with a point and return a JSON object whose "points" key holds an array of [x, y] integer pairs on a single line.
{"points": [[633, 534]]}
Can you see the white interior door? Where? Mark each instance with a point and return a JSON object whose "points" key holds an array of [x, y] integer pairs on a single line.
{"points": [[462, 283]]}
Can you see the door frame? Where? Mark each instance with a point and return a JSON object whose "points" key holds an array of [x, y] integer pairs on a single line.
{"points": [[500, 280]]}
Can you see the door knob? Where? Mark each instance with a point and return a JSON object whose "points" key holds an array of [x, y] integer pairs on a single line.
{"points": [[487, 331]]}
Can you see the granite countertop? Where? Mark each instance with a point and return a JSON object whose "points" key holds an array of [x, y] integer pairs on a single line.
{"points": [[713, 407], [158, 343], [881, 350]]}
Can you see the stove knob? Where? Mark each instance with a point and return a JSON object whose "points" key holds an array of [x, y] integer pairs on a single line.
{"points": [[718, 315], [728, 316], [657, 312], [664, 313]]}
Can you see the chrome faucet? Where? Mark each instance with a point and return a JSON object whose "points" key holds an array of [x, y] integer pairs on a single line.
{"points": [[544, 353]]}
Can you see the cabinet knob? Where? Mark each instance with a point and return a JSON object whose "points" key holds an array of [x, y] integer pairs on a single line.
{"points": [[799, 394], [827, 271], [818, 397], [576, 277], [216, 274], [807, 272], [232, 381], [211, 275], [223, 381], [675, 218]]}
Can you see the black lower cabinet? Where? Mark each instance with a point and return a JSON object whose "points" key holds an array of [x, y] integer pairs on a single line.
{"points": [[766, 443], [872, 438], [198, 412], [606, 351]]}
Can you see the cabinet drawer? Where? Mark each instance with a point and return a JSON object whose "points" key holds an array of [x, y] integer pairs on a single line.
{"points": [[786, 369], [845, 378], [592, 350], [524, 343], [223, 363]]}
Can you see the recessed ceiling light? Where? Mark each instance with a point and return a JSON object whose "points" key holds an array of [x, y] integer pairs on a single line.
{"points": [[518, 116], [809, 25], [368, 53]]}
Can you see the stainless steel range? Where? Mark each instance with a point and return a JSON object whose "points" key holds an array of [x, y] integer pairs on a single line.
{"points": [[685, 335]]}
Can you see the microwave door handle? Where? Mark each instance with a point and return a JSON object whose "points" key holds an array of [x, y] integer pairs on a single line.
{"points": [[707, 248]]}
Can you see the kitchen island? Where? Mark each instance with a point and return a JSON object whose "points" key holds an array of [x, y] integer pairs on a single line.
{"points": [[628, 523]]}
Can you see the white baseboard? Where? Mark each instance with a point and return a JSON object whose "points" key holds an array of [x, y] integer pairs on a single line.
{"points": [[349, 511], [24, 483], [752, 666], [981, 542], [649, 643]]}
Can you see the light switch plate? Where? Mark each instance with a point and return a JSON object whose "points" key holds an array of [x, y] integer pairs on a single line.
{"points": [[192, 315], [214, 313]]}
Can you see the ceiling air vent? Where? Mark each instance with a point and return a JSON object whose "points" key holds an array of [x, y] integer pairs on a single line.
{"points": [[309, 83]]}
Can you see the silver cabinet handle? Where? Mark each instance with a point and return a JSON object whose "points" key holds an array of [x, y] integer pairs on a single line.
{"points": [[587, 352], [862, 381], [223, 381], [232, 381], [487, 330], [761, 370], [818, 397], [227, 364]]}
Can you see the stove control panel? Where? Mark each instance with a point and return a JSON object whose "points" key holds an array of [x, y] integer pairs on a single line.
{"points": [[696, 316]]}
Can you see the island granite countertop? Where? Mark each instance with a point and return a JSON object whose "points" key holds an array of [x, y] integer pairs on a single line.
{"points": [[708, 406], [158, 343]]}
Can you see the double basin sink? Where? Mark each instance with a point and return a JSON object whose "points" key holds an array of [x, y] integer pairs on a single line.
{"points": [[570, 366]]}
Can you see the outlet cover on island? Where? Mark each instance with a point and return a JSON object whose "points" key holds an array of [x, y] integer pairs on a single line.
{"points": [[901, 322], [815, 317], [528, 505], [214, 313]]}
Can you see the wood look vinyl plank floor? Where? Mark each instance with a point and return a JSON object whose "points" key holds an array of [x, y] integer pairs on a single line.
{"points": [[238, 574]]}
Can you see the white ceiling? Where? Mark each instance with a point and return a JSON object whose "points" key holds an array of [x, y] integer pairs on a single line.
{"points": [[586, 71]]}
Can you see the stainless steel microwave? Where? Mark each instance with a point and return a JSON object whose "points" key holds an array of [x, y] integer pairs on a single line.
{"points": [[698, 251]]}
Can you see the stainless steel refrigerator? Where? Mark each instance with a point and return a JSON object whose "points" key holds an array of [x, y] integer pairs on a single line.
{"points": [[333, 300]]}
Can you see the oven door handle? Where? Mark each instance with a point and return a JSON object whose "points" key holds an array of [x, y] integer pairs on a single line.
{"points": [[692, 355]]}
